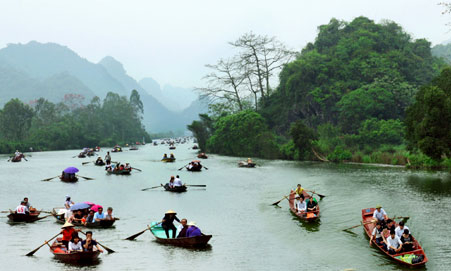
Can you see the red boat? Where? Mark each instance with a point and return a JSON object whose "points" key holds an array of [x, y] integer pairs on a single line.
{"points": [[367, 216], [60, 253], [31, 217], [307, 216]]}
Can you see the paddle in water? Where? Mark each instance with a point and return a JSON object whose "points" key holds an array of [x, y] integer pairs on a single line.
{"points": [[48, 179], [183, 166], [145, 189], [136, 169], [86, 178], [196, 185], [46, 242], [131, 238], [277, 202], [105, 247]]}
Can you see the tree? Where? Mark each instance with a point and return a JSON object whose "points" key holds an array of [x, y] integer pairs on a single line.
{"points": [[303, 137], [244, 134], [428, 119], [136, 103], [15, 120], [202, 130]]}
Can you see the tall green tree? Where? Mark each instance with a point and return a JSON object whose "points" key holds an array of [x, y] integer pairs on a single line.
{"points": [[15, 120]]}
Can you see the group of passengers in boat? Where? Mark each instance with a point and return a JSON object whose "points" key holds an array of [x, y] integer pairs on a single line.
{"points": [[25, 207], [165, 156], [392, 238], [73, 243], [175, 182], [85, 216], [185, 229], [68, 176], [303, 205], [118, 167], [194, 165]]}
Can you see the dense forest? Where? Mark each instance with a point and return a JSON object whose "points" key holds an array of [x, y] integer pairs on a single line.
{"points": [[43, 125], [354, 94]]}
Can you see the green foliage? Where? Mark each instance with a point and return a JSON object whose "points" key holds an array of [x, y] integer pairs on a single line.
{"points": [[243, 134], [352, 72], [428, 120], [339, 154], [48, 126], [202, 130], [303, 137], [375, 132]]}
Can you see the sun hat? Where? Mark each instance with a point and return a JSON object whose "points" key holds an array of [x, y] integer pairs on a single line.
{"points": [[67, 225], [191, 223], [378, 206], [170, 212]]}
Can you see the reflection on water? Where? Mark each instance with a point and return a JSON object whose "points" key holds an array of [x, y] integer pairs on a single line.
{"points": [[430, 184], [308, 226]]}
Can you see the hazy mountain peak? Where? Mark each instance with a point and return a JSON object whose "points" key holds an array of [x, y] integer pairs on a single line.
{"points": [[113, 65]]}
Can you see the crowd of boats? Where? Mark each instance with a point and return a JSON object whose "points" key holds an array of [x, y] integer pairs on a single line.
{"points": [[393, 238]]}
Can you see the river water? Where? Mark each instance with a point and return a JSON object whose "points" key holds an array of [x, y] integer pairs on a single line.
{"points": [[248, 233]]}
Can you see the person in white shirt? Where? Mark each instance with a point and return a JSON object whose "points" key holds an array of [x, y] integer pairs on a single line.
{"points": [[400, 229], [299, 204], [177, 181], [22, 208], [378, 235], [75, 244], [17, 153], [380, 215], [394, 244], [68, 202]]}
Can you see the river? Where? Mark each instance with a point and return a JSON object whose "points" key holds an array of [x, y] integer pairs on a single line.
{"points": [[248, 233]]}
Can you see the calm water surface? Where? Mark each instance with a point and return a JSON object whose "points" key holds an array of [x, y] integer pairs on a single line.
{"points": [[248, 233]]}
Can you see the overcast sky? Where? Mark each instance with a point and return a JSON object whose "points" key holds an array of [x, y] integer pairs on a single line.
{"points": [[171, 40]]}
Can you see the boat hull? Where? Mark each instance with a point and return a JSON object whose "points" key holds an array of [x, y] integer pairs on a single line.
{"points": [[307, 216], [28, 218], [188, 242], [177, 189], [59, 252], [367, 216]]}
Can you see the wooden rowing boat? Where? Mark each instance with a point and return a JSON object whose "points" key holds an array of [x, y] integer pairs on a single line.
{"points": [[202, 156], [28, 218], [168, 160], [99, 163], [245, 164], [119, 172], [177, 189], [306, 216], [69, 180], [160, 236], [16, 159], [103, 224], [59, 251], [172, 148], [367, 216]]}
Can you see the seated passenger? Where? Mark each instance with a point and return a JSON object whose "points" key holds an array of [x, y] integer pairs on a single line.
{"points": [[109, 214], [407, 241], [22, 209], [299, 204], [177, 181], [390, 226], [394, 244], [182, 228], [400, 229], [192, 230], [99, 215], [312, 205], [90, 218], [165, 156], [89, 243], [78, 216], [171, 182], [75, 244], [172, 155], [378, 235]]}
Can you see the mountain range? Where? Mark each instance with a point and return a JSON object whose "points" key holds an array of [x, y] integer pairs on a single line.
{"points": [[49, 70]]}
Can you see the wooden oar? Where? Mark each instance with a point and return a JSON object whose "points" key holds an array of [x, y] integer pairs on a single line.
{"points": [[105, 247], [86, 178], [145, 189], [136, 169], [84, 163], [320, 195], [48, 179], [369, 222], [277, 202], [46, 242], [205, 167], [183, 166], [25, 158], [40, 218], [141, 232], [196, 185]]}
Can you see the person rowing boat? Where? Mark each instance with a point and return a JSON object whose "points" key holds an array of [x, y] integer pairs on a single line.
{"points": [[380, 216], [168, 223]]}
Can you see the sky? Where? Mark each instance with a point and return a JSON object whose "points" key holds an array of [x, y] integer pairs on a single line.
{"points": [[172, 40]]}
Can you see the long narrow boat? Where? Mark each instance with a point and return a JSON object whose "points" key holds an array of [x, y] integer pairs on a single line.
{"points": [[69, 180], [178, 189], [160, 236], [367, 216], [103, 224], [307, 216], [31, 217], [60, 253], [245, 164], [119, 172], [16, 159], [168, 160]]}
